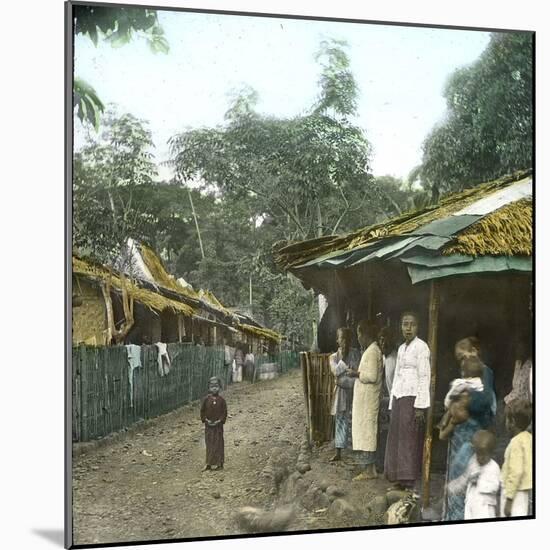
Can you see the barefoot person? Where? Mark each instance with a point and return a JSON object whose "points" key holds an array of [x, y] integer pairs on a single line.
{"points": [[409, 398], [366, 399], [345, 358], [214, 415]]}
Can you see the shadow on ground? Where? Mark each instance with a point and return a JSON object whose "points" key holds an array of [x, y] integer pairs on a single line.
{"points": [[53, 535]]}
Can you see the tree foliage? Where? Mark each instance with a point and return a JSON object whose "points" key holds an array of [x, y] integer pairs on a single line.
{"points": [[308, 172], [338, 87], [113, 176], [117, 26], [487, 131]]}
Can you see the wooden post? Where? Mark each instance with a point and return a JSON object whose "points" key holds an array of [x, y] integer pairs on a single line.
{"points": [[84, 389], [310, 390], [303, 365], [432, 343]]}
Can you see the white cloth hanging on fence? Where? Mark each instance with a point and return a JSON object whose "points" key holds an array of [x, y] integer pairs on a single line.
{"points": [[134, 361], [164, 364]]}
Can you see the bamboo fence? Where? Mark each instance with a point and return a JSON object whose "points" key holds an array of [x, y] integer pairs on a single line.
{"points": [[318, 385], [101, 401]]}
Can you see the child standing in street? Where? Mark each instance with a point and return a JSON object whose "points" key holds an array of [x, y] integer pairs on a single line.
{"points": [[214, 415], [481, 480], [517, 480]]}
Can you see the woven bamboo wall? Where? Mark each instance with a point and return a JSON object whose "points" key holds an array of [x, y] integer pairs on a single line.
{"points": [[318, 383]]}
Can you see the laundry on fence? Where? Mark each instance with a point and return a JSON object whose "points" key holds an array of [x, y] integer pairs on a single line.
{"points": [[163, 359], [134, 361]]}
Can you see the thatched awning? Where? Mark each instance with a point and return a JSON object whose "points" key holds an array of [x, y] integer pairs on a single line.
{"points": [[208, 299], [493, 219], [160, 274], [506, 231], [260, 331], [152, 300]]}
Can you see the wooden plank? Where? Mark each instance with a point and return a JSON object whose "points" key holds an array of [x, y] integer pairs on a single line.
{"points": [[432, 343], [84, 394], [303, 364], [76, 420]]}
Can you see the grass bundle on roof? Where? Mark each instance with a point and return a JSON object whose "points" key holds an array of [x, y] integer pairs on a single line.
{"points": [[213, 301], [148, 298], [160, 274], [264, 332], [506, 231]]}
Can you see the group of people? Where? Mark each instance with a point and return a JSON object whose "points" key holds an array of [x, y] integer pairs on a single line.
{"points": [[476, 487], [240, 361]]}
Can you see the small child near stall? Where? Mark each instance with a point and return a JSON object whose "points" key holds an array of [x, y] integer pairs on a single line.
{"points": [[517, 475], [481, 480], [213, 416], [457, 399]]}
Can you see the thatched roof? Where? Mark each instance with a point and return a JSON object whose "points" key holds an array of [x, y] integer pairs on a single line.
{"points": [[153, 300], [209, 299], [478, 234], [508, 231], [260, 331], [157, 300], [160, 274], [494, 218]]}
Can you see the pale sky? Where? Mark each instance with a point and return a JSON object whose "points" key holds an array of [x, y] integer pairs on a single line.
{"points": [[401, 73]]}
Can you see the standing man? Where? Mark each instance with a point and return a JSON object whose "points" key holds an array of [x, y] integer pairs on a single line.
{"points": [[345, 358], [409, 399], [366, 399]]}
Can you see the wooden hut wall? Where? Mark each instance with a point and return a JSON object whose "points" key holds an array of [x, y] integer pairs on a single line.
{"points": [[378, 293], [188, 324], [169, 327], [495, 308]]}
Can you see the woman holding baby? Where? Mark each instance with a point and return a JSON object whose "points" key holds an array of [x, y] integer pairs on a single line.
{"points": [[471, 407]]}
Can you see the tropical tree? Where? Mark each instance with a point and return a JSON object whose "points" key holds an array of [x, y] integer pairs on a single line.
{"points": [[487, 130], [112, 185], [306, 172]]}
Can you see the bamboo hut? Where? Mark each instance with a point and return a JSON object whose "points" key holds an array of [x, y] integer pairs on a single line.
{"points": [[163, 309], [464, 265]]}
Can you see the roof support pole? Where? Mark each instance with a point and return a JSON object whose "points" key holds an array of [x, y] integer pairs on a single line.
{"points": [[432, 343]]}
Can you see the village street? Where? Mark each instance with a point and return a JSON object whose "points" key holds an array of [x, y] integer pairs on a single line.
{"points": [[149, 484]]}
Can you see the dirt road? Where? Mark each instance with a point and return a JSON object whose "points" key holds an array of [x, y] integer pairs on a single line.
{"points": [[150, 485]]}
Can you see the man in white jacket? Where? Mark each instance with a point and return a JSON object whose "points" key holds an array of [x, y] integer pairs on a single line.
{"points": [[409, 399]]}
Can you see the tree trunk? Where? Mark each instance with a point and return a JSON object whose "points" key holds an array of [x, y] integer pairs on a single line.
{"points": [[196, 222], [319, 220]]}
